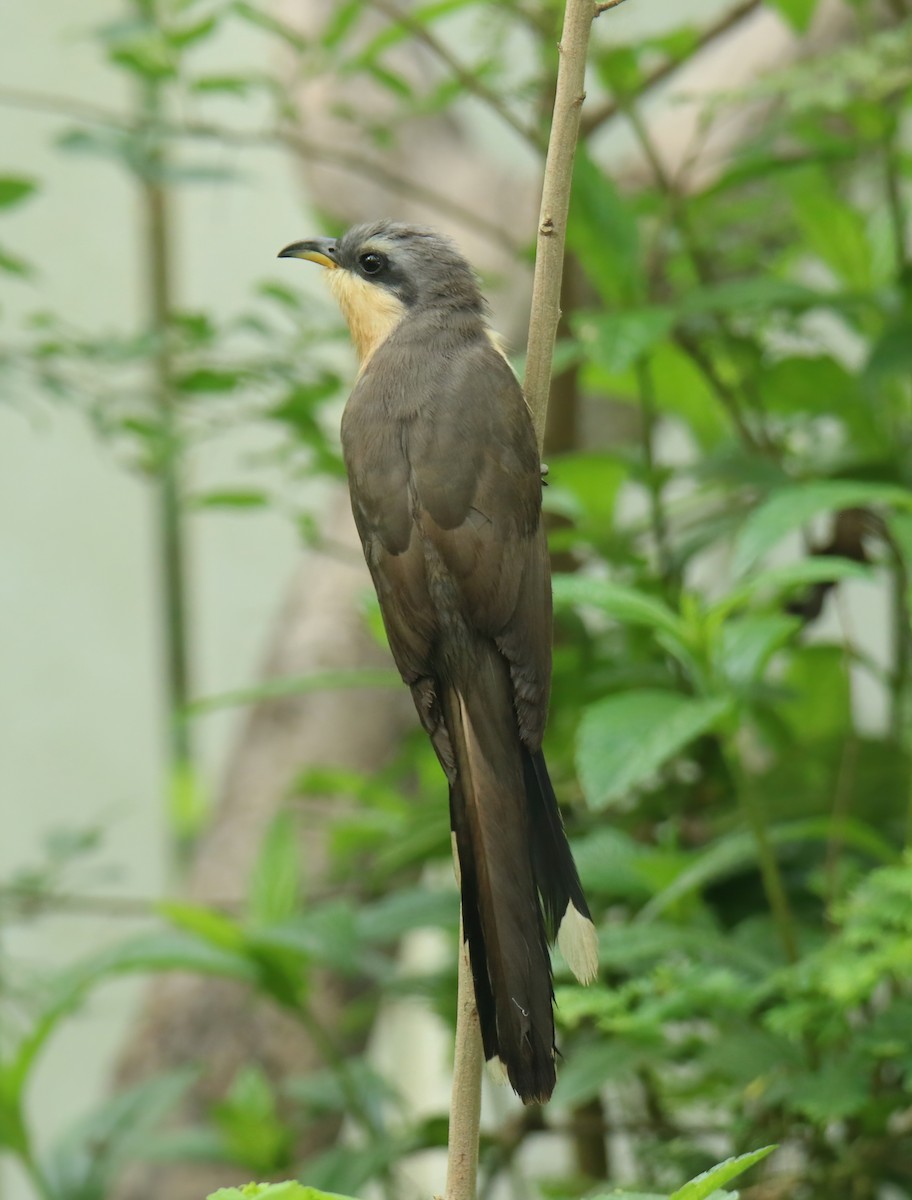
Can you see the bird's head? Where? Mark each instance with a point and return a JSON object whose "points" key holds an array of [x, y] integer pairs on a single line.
{"points": [[382, 272]]}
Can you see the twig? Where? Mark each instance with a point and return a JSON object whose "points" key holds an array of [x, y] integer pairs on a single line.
{"points": [[657, 518], [157, 238], [465, 1108], [469, 82], [609, 108], [552, 222], [724, 392], [308, 150], [605, 5], [773, 885]]}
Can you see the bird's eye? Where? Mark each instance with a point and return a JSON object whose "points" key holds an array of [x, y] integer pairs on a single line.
{"points": [[372, 263]]}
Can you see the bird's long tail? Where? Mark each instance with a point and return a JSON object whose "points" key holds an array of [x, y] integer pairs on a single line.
{"points": [[518, 880]]}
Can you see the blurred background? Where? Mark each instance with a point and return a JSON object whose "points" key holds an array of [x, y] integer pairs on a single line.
{"points": [[226, 910]]}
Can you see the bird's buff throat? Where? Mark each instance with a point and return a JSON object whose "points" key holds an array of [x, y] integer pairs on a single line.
{"points": [[371, 312]]}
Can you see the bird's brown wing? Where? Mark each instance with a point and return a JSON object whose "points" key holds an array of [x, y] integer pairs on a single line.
{"points": [[477, 480], [459, 490]]}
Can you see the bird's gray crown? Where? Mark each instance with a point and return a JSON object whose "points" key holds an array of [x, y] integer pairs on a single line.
{"points": [[420, 266]]}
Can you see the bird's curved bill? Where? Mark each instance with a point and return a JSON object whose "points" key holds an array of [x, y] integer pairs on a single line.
{"points": [[319, 250]]}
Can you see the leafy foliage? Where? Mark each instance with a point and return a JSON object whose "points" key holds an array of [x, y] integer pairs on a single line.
{"points": [[740, 821]]}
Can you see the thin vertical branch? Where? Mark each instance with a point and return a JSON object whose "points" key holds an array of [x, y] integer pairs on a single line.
{"points": [[555, 205], [657, 518], [465, 1109], [172, 548], [773, 885]]}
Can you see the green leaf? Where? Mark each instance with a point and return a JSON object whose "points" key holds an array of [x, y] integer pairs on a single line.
{"points": [[276, 877], [180, 37], [326, 934], [388, 919], [228, 499], [710, 1181], [747, 644], [821, 568], [602, 233], [791, 507], [617, 340], [831, 228], [629, 1196], [625, 739], [732, 853], [762, 293], [900, 527], [247, 1118], [212, 926], [231, 85], [585, 488], [809, 384], [208, 379], [891, 354], [798, 13], [341, 19], [14, 189], [264, 20], [289, 1190], [12, 264], [624, 604], [836, 1090]]}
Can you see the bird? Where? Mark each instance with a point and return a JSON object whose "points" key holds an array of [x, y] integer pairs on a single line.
{"points": [[446, 484]]}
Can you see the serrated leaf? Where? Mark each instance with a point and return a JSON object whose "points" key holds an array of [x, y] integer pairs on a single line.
{"points": [[836, 1090], [625, 739], [288, 1190], [792, 507], [710, 1181], [747, 644]]}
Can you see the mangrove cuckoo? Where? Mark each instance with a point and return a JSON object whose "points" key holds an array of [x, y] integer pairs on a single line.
{"points": [[446, 491]]}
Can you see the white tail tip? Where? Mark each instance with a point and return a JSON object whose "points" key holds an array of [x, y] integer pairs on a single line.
{"points": [[497, 1072], [578, 943]]}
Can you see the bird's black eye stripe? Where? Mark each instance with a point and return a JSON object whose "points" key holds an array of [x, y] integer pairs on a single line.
{"points": [[371, 262]]}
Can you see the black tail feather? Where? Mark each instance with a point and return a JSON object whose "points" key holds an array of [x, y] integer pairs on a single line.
{"points": [[502, 917], [555, 871]]}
